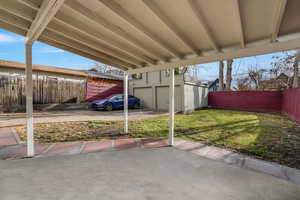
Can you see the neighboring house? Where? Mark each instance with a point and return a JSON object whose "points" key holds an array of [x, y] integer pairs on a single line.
{"points": [[101, 85], [214, 86], [50, 85], [281, 82], [152, 89]]}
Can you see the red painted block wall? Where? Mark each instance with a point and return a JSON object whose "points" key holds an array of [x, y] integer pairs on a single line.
{"points": [[291, 103], [98, 89], [262, 101]]}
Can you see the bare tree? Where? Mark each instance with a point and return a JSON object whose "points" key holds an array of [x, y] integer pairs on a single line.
{"points": [[100, 67], [257, 76], [191, 73], [296, 69], [221, 75], [229, 74], [287, 64], [243, 83]]}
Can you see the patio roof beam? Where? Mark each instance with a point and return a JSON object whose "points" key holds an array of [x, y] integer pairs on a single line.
{"points": [[171, 26], [44, 16], [119, 11], [229, 53], [101, 22], [204, 26], [278, 19], [240, 23]]}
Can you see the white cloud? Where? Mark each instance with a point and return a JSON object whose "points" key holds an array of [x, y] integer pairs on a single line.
{"points": [[50, 50], [5, 38]]}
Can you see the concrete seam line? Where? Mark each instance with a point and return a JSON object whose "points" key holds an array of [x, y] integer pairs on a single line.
{"points": [[16, 136], [47, 149], [83, 144]]}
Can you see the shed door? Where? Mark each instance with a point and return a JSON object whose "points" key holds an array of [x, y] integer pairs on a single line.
{"points": [[162, 98], [145, 95]]}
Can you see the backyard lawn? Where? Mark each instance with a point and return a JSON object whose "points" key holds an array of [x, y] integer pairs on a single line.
{"points": [[267, 136]]}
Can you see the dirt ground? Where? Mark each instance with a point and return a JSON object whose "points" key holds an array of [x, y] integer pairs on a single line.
{"points": [[15, 119]]}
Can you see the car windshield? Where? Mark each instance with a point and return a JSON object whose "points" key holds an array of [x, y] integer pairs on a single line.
{"points": [[115, 96]]}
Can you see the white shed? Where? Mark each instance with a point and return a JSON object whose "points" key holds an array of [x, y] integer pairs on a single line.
{"points": [[153, 90]]}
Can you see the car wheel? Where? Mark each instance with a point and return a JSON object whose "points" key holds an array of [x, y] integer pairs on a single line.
{"points": [[136, 106], [109, 107]]}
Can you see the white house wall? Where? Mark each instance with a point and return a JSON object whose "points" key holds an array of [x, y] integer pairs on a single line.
{"points": [[195, 97]]}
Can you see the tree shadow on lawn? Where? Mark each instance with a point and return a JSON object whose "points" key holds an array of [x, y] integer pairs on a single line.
{"points": [[276, 143], [270, 142]]}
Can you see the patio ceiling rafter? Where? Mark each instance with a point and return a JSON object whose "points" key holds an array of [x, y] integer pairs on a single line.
{"points": [[79, 52], [76, 45], [204, 26], [278, 16], [56, 26], [44, 15], [101, 22], [115, 8], [171, 26], [23, 24], [65, 37], [237, 13]]}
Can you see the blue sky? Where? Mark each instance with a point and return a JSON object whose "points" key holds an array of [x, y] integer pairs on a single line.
{"points": [[12, 48]]}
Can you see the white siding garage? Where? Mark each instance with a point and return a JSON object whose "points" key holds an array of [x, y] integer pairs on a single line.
{"points": [[145, 95], [194, 97], [152, 89], [162, 98]]}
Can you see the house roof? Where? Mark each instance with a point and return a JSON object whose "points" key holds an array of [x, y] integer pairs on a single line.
{"points": [[18, 65], [142, 35], [212, 83], [103, 75]]}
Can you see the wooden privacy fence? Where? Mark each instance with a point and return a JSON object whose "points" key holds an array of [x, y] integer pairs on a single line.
{"points": [[287, 102], [263, 101], [46, 89], [291, 103]]}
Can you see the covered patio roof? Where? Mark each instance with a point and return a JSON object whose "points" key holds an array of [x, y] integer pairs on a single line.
{"points": [[149, 35]]}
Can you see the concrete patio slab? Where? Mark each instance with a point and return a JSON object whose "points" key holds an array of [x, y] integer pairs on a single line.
{"points": [[156, 173], [239, 160]]}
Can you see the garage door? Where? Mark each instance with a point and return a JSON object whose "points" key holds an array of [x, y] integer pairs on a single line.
{"points": [[162, 98], [145, 95]]}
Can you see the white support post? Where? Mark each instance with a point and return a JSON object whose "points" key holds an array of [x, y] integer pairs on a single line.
{"points": [[29, 100], [125, 102], [171, 107]]}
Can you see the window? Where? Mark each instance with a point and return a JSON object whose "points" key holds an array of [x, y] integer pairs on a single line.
{"points": [[167, 72], [137, 76]]}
